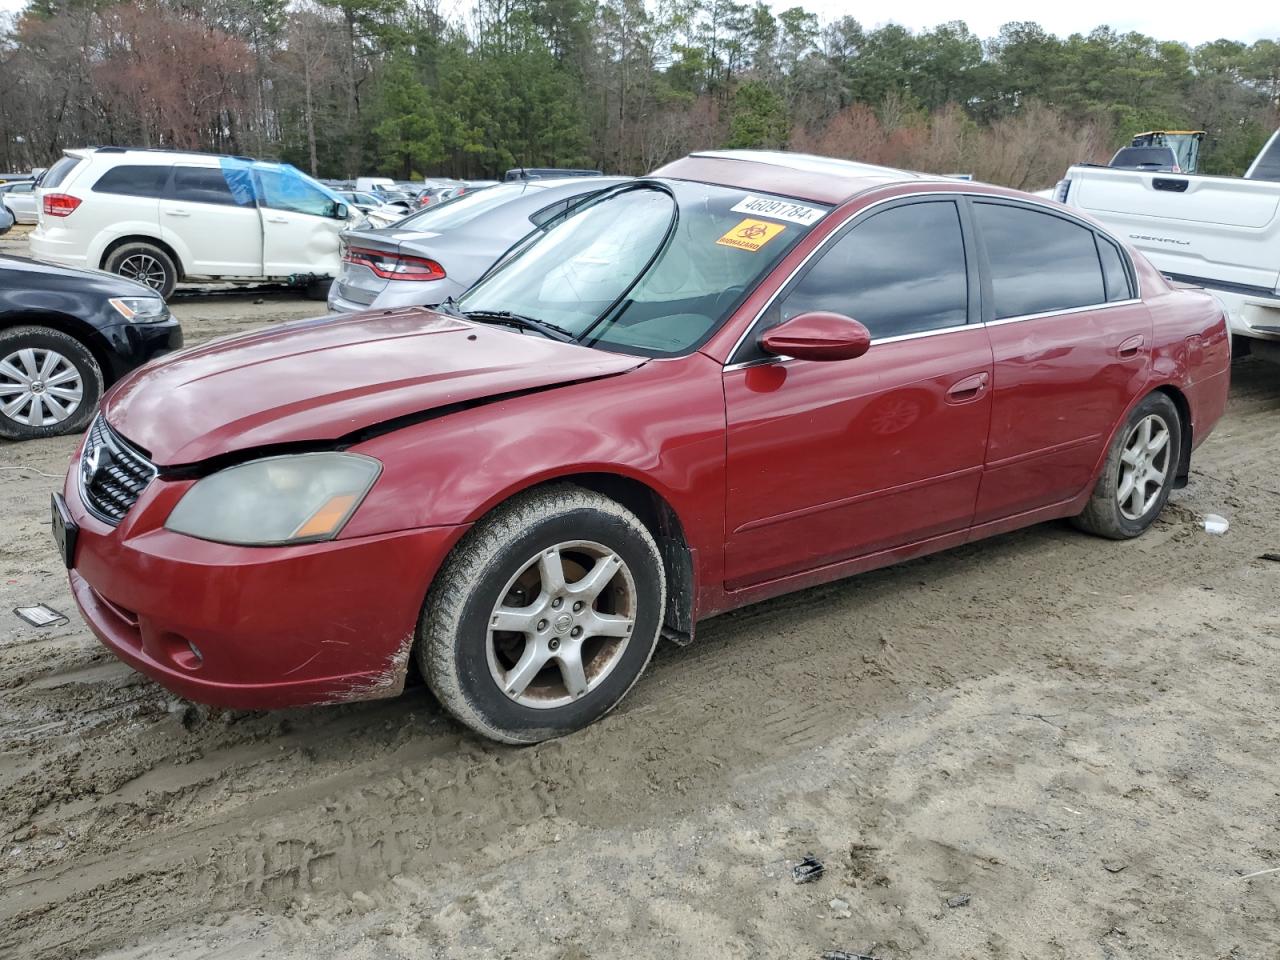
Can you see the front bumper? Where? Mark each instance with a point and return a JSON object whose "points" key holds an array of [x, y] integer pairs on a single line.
{"points": [[128, 346], [252, 627]]}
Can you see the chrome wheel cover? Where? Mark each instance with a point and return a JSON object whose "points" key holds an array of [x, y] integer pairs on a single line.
{"points": [[39, 388], [561, 624], [1144, 466]]}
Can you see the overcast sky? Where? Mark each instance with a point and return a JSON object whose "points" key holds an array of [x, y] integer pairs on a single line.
{"points": [[1191, 21]]}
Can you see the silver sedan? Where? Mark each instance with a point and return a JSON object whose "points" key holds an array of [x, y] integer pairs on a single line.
{"points": [[20, 200], [438, 253]]}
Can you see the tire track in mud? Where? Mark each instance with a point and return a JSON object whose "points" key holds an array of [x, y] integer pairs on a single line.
{"points": [[146, 816]]}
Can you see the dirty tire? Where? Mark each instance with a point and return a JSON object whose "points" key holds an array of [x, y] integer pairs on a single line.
{"points": [[453, 633], [162, 272], [1103, 516], [46, 340]]}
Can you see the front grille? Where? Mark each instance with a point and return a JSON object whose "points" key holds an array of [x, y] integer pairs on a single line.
{"points": [[112, 473]]}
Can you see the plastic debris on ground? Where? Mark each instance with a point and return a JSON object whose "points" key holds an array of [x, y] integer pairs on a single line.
{"points": [[958, 901], [41, 615], [807, 870], [1215, 524]]}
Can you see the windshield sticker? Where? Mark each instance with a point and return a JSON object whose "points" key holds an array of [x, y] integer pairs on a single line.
{"points": [[751, 235], [778, 210]]}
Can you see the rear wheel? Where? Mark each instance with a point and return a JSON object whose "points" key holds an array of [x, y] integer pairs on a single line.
{"points": [[49, 383], [543, 616], [1138, 476], [147, 264]]}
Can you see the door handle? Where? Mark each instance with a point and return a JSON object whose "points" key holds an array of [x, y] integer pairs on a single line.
{"points": [[276, 220], [1131, 347], [970, 388], [177, 213]]}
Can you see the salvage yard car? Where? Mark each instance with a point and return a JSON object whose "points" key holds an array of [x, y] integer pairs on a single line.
{"points": [[438, 252], [746, 374], [65, 335], [162, 217]]}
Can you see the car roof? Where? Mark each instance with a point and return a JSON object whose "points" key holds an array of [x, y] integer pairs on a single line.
{"points": [[808, 177], [556, 183], [159, 157]]}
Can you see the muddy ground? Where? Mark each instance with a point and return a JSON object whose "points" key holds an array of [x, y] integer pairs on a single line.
{"points": [[1080, 736]]}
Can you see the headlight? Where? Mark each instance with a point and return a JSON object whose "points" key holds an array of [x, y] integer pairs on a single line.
{"points": [[302, 498], [141, 309]]}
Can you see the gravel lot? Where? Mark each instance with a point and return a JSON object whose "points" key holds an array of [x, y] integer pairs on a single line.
{"points": [[1076, 734]]}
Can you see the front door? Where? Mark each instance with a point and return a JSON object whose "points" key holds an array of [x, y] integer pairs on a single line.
{"points": [[299, 225], [833, 460]]}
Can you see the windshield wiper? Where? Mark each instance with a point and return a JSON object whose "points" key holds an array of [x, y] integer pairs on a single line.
{"points": [[548, 330], [450, 306]]}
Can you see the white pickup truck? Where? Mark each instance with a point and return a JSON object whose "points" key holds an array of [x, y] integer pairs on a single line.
{"points": [[1221, 233]]}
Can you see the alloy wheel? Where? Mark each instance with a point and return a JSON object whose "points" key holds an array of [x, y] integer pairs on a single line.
{"points": [[1144, 466], [561, 624], [143, 268], [39, 388]]}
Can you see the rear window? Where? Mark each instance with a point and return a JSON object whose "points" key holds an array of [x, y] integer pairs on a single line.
{"points": [[1039, 262], [1114, 275], [1143, 156], [462, 210], [133, 181], [54, 176], [1267, 166]]}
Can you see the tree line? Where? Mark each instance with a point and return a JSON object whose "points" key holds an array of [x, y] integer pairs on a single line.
{"points": [[407, 88]]}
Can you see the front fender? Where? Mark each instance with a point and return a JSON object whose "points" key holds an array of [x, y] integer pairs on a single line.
{"points": [[661, 425]]}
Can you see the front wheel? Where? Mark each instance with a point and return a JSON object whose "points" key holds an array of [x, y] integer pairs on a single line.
{"points": [[543, 616], [49, 383], [1139, 472]]}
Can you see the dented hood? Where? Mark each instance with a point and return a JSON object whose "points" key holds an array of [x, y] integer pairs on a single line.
{"points": [[319, 380]]}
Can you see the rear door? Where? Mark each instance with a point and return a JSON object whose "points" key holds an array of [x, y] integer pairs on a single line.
{"points": [[216, 229], [299, 225], [1072, 347]]}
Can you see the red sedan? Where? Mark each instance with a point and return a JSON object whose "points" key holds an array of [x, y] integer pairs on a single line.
{"points": [[744, 375]]}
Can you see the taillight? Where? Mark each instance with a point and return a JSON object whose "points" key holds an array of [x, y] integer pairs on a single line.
{"points": [[1060, 192], [60, 204], [393, 266]]}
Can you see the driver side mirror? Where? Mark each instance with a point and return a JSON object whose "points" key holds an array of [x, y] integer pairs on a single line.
{"points": [[341, 211], [817, 335]]}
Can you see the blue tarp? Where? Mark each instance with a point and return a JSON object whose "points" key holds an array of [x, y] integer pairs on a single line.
{"points": [[274, 184]]}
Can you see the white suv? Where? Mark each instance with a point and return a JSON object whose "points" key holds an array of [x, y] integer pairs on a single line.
{"points": [[162, 217]]}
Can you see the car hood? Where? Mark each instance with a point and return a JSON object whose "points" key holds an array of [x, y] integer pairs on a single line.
{"points": [[321, 380], [44, 275]]}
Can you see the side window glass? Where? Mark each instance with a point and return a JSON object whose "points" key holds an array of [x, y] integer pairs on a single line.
{"points": [[541, 217], [1039, 262], [1114, 275], [281, 191], [202, 185], [133, 181], [900, 271]]}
